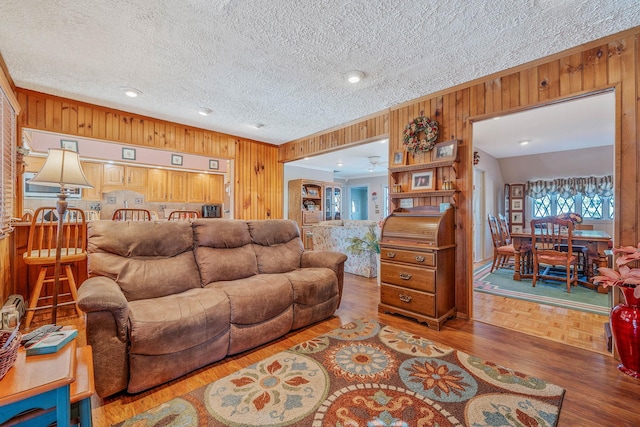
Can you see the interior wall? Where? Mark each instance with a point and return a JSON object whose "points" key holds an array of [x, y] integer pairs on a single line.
{"points": [[494, 193], [596, 161], [375, 201]]}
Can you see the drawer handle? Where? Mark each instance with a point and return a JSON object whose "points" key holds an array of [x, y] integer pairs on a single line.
{"points": [[420, 258], [405, 276], [391, 254], [405, 298]]}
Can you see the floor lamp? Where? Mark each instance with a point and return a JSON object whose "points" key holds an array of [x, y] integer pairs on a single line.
{"points": [[61, 169]]}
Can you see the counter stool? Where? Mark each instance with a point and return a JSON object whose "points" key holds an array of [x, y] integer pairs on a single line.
{"points": [[41, 253]]}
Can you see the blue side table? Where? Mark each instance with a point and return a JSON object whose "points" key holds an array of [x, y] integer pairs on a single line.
{"points": [[38, 387]]}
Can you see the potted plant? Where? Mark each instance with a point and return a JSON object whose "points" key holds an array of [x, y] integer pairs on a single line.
{"points": [[625, 317]]}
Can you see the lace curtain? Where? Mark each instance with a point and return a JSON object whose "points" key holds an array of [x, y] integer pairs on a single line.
{"points": [[569, 187]]}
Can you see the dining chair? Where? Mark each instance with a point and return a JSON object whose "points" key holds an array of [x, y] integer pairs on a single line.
{"points": [[502, 252], [41, 253], [183, 215], [547, 236], [504, 229], [131, 214]]}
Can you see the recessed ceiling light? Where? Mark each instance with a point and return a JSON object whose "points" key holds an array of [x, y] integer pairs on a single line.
{"points": [[131, 92], [205, 111], [355, 76], [340, 164], [523, 142]]}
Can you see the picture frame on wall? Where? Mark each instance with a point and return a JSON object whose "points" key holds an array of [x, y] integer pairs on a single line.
{"points": [[176, 160], [445, 151], [516, 229], [214, 165], [516, 217], [67, 144], [398, 158], [128, 153], [516, 204], [422, 181], [517, 190]]}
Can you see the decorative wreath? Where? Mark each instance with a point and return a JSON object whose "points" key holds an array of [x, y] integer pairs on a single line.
{"points": [[415, 129]]}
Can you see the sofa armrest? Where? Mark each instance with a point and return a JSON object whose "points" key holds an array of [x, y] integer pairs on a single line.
{"points": [[103, 294], [333, 260]]}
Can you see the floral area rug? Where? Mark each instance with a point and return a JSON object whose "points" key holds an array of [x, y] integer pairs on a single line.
{"points": [[366, 374]]}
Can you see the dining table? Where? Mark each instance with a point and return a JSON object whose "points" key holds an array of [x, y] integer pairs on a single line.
{"points": [[597, 242]]}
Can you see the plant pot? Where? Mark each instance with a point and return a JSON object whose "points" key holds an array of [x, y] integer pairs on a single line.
{"points": [[625, 326]]}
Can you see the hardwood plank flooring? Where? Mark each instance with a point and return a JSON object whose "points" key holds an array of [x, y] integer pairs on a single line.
{"points": [[597, 393]]}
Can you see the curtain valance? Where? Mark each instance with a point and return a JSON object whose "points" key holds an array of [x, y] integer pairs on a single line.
{"points": [[569, 187]]}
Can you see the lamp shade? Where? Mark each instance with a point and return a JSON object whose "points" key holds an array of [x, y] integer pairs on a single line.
{"points": [[61, 169]]}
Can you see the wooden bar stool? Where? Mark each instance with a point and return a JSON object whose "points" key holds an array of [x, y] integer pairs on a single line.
{"points": [[130, 214], [41, 253], [183, 215]]}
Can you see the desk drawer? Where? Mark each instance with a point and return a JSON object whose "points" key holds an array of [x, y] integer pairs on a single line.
{"points": [[417, 302], [422, 279], [410, 257], [311, 217]]}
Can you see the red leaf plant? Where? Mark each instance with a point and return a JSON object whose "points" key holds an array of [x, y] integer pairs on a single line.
{"points": [[623, 275]]}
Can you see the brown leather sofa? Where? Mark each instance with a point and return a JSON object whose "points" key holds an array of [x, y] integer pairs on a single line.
{"points": [[166, 298]]}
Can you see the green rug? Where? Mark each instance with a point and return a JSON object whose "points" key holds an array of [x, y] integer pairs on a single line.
{"points": [[501, 283], [366, 374]]}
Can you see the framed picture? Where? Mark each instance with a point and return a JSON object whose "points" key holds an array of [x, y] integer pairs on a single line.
{"points": [[398, 158], [213, 164], [406, 203], [176, 159], [445, 151], [516, 217], [516, 229], [517, 190], [69, 145], [312, 192], [516, 204], [129, 153], [422, 180]]}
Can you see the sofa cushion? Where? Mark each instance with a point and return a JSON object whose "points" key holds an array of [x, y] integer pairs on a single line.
{"points": [[313, 286], [277, 245], [223, 250], [256, 299], [177, 322], [147, 259]]}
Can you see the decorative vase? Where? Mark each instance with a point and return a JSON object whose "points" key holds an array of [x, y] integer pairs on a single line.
{"points": [[625, 326]]}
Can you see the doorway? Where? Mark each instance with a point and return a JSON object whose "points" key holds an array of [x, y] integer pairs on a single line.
{"points": [[358, 205]]}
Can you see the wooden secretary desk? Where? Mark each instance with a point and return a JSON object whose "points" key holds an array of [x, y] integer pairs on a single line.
{"points": [[417, 261]]}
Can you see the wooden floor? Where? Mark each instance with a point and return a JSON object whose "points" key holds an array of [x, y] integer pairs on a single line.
{"points": [[597, 393]]}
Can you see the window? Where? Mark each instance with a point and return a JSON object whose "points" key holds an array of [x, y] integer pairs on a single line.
{"points": [[7, 168], [595, 208]]}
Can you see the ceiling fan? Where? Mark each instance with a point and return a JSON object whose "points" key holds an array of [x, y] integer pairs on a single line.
{"points": [[373, 160]]}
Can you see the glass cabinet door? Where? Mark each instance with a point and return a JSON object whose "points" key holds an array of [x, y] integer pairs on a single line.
{"points": [[337, 202]]}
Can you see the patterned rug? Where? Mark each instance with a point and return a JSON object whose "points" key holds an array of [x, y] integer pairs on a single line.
{"points": [[501, 283], [365, 374]]}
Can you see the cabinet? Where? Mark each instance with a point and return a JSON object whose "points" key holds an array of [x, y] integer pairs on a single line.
{"points": [[332, 201], [157, 185], [417, 261], [177, 182], [436, 178], [93, 172], [197, 187], [305, 205], [117, 177], [216, 189]]}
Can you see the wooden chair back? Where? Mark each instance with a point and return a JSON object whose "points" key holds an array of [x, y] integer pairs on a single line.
{"points": [[504, 229], [41, 246], [551, 246], [494, 228], [183, 215], [131, 214]]}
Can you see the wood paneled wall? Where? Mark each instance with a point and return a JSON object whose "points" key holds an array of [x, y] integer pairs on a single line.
{"points": [[257, 195], [607, 64], [363, 130]]}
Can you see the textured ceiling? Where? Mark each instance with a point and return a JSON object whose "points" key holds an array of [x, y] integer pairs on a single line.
{"points": [[282, 63]]}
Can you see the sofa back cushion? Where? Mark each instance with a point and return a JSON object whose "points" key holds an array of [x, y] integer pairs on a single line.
{"points": [[277, 245], [148, 259], [223, 249]]}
